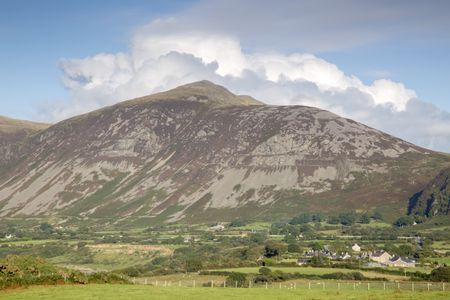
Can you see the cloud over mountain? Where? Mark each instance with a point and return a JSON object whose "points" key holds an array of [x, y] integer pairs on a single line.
{"points": [[157, 62]]}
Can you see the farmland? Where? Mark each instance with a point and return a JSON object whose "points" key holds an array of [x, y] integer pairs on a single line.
{"points": [[263, 259]]}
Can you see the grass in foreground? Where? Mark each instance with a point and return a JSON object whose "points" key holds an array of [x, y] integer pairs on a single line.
{"points": [[136, 292]]}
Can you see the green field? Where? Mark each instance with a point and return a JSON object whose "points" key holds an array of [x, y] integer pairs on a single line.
{"points": [[146, 292]]}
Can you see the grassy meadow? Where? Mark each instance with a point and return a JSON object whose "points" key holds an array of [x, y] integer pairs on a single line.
{"points": [[137, 292]]}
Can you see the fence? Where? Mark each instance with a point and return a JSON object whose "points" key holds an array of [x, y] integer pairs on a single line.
{"points": [[310, 285]]}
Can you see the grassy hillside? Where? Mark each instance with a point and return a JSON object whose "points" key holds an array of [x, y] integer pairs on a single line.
{"points": [[8, 125]]}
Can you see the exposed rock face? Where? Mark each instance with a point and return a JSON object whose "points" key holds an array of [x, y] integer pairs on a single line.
{"points": [[434, 199], [198, 152]]}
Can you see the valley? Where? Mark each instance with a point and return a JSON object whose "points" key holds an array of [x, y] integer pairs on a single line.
{"points": [[198, 187]]}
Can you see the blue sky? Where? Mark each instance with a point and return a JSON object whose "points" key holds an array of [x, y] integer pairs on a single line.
{"points": [[34, 35], [384, 63]]}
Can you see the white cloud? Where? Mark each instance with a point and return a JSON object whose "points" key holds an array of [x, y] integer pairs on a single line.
{"points": [[311, 25], [158, 62], [224, 50]]}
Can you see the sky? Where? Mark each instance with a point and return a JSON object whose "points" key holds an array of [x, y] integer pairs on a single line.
{"points": [[383, 63]]}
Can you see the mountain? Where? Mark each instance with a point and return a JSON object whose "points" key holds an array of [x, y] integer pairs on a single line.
{"points": [[12, 134], [434, 199], [200, 153]]}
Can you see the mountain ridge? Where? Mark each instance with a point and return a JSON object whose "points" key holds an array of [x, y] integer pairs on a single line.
{"points": [[13, 133], [10, 125], [176, 158]]}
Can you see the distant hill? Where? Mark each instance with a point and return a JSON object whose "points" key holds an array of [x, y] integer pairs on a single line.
{"points": [[200, 153], [8, 125], [12, 134]]}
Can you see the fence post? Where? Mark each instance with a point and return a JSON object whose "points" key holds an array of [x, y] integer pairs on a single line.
{"points": [[156, 283], [280, 285], [236, 283], [266, 285], [212, 283], [398, 285], [443, 287], [368, 286], [384, 286], [165, 283], [134, 280], [309, 285]]}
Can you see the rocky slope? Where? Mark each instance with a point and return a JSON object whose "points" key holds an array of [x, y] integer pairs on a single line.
{"points": [[198, 152], [434, 199]]}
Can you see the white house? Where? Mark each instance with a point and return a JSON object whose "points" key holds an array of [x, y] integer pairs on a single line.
{"points": [[218, 227], [346, 256], [356, 248]]}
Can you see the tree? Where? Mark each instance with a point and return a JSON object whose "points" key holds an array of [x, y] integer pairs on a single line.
{"points": [[404, 221], [317, 217], [364, 219], [45, 227], [273, 249], [301, 219], [347, 219]]}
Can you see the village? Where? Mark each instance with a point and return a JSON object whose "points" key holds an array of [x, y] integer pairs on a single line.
{"points": [[372, 259]]}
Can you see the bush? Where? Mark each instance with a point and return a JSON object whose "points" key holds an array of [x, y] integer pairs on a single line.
{"points": [[104, 277], [16, 271], [265, 271], [193, 265], [239, 279], [440, 274], [404, 221], [262, 279], [344, 276]]}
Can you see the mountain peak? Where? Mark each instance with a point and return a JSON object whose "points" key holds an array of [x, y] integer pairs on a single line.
{"points": [[201, 91]]}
